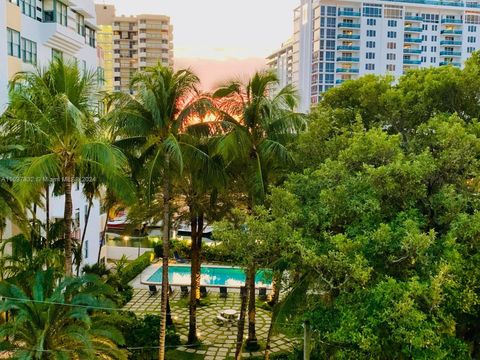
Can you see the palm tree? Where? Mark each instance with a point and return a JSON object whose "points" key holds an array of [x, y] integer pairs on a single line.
{"points": [[147, 127], [259, 123], [52, 111], [57, 320]]}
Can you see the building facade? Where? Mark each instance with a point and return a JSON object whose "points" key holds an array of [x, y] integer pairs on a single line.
{"points": [[339, 40], [34, 32], [138, 42], [281, 61]]}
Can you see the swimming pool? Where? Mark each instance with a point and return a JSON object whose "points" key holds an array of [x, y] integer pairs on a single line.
{"points": [[210, 276]]}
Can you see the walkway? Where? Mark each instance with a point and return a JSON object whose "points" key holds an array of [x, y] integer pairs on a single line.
{"points": [[218, 341]]}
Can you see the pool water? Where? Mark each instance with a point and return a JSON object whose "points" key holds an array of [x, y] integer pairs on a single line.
{"points": [[211, 276]]}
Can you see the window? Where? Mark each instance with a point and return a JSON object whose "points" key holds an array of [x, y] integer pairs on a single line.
{"points": [[329, 78], [423, 59], [91, 36], [431, 18], [371, 33], [372, 22], [61, 13], [331, 11], [86, 248], [57, 54], [29, 7], [80, 19], [29, 51], [433, 60], [433, 49], [472, 19], [370, 44], [434, 27], [13, 42], [392, 23], [330, 22], [330, 33], [434, 37], [424, 37], [369, 55], [391, 45], [393, 12], [329, 67], [330, 45], [424, 48], [330, 56], [369, 66], [392, 34], [390, 67], [471, 39], [391, 56], [472, 28], [470, 49], [424, 27], [372, 10]]}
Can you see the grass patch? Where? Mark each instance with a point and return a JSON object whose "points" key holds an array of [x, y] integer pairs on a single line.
{"points": [[185, 301]]}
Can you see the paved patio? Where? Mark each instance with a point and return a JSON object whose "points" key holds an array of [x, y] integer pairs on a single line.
{"points": [[219, 341]]}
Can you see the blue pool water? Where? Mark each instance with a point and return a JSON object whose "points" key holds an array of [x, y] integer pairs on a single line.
{"points": [[210, 276]]}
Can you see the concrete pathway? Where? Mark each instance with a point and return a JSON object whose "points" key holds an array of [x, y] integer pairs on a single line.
{"points": [[219, 341]]}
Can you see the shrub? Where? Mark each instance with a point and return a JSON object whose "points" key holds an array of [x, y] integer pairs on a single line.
{"points": [[134, 268], [158, 250]]}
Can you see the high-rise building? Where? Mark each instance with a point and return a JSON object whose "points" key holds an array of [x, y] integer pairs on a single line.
{"points": [[34, 32], [282, 62], [138, 42], [338, 40], [105, 14]]}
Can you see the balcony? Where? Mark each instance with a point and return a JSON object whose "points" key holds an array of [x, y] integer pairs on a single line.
{"points": [[347, 59], [348, 47], [411, 62], [472, 4], [452, 21], [348, 25], [451, 32], [348, 36], [457, 64], [450, 53], [412, 51], [413, 29], [451, 42], [349, 13], [347, 70], [413, 40], [414, 18], [62, 38]]}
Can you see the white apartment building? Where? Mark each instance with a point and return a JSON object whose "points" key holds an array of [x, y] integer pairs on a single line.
{"points": [[33, 32], [282, 62], [338, 40]]}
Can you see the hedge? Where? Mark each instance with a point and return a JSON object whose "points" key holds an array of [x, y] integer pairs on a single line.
{"points": [[134, 268]]}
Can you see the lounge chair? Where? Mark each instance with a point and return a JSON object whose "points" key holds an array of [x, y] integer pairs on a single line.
{"points": [[179, 259], [203, 291], [153, 290], [223, 292], [184, 290], [262, 294]]}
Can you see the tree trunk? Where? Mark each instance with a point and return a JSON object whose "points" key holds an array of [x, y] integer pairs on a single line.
{"points": [[47, 214], [275, 296], [103, 235], [252, 342], [166, 250], [68, 220], [90, 204], [241, 320], [196, 237], [276, 284]]}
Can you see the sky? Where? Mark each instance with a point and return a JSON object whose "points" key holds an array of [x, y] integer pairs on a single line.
{"points": [[220, 39]]}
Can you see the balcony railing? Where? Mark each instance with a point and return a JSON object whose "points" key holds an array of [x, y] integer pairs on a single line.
{"points": [[451, 42], [348, 47], [339, 81], [413, 40], [450, 53], [451, 32], [457, 64], [414, 18], [432, 2], [348, 36], [452, 21], [348, 25], [349, 13], [413, 29], [348, 70], [411, 62], [348, 59], [412, 51]]}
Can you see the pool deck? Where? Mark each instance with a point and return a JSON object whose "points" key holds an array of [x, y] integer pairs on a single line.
{"points": [[219, 341]]}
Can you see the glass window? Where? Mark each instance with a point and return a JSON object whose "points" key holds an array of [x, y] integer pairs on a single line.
{"points": [[29, 7], [29, 51], [369, 66], [391, 56], [392, 34], [369, 55], [470, 49], [91, 36], [433, 49], [61, 13], [370, 44], [329, 78], [471, 39], [13, 42], [371, 33], [434, 37], [330, 45], [392, 23], [330, 33], [331, 11], [391, 45], [372, 22], [331, 22], [372, 10], [57, 54], [433, 60], [390, 67], [80, 23], [329, 67], [330, 56]]}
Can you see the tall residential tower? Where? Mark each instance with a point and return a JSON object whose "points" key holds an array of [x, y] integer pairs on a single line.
{"points": [[338, 40]]}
